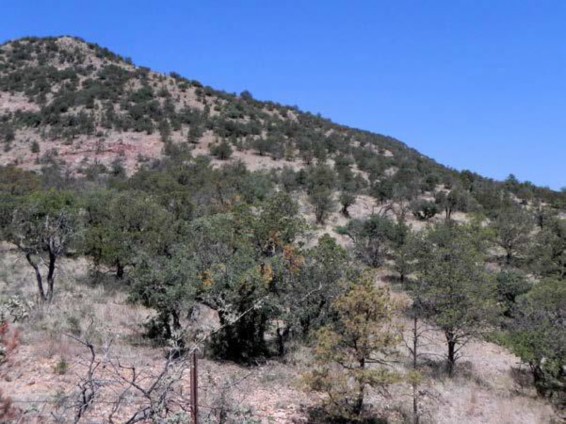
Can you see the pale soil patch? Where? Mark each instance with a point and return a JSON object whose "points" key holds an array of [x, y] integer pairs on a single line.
{"points": [[13, 102], [130, 148], [387, 153], [363, 207], [389, 172]]}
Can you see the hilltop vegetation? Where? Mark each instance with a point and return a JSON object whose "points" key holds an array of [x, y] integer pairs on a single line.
{"points": [[278, 254], [72, 91]]}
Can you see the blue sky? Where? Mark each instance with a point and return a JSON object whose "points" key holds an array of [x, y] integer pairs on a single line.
{"points": [[474, 84]]}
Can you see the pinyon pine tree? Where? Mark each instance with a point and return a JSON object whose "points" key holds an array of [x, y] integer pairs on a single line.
{"points": [[351, 353]]}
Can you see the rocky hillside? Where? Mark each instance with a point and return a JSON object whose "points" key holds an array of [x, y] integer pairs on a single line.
{"points": [[323, 274], [89, 111]]}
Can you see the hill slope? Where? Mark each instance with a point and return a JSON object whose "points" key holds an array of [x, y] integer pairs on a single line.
{"points": [[162, 216], [80, 106]]}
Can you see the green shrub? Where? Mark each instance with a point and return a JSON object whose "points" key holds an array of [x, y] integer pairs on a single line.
{"points": [[222, 151]]}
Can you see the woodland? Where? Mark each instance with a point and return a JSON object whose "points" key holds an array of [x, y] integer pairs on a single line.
{"points": [[279, 256]]}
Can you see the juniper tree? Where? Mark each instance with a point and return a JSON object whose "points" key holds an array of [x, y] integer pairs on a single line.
{"points": [[538, 337], [547, 255], [371, 238], [512, 229], [453, 288], [347, 199]]}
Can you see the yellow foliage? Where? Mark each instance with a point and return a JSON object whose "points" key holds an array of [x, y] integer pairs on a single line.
{"points": [[351, 354], [295, 260], [267, 273], [207, 279]]}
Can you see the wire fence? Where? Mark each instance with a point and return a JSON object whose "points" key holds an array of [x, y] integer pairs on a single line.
{"points": [[216, 405]]}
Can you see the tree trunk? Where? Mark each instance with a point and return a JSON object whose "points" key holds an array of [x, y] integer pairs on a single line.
{"points": [[415, 340], [508, 257], [451, 353], [119, 270], [281, 339], [359, 401], [176, 319], [37, 277], [319, 214], [305, 326], [51, 275], [416, 414]]}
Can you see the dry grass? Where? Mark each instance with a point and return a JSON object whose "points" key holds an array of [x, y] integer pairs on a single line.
{"points": [[49, 363]]}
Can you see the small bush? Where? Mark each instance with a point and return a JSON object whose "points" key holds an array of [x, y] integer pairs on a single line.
{"points": [[61, 367], [35, 147], [222, 151], [424, 210]]}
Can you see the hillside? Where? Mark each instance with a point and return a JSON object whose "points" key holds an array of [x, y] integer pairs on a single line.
{"points": [[71, 103], [322, 273], [94, 102]]}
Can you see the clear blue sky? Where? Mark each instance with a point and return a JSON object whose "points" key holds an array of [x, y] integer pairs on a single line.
{"points": [[476, 84]]}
